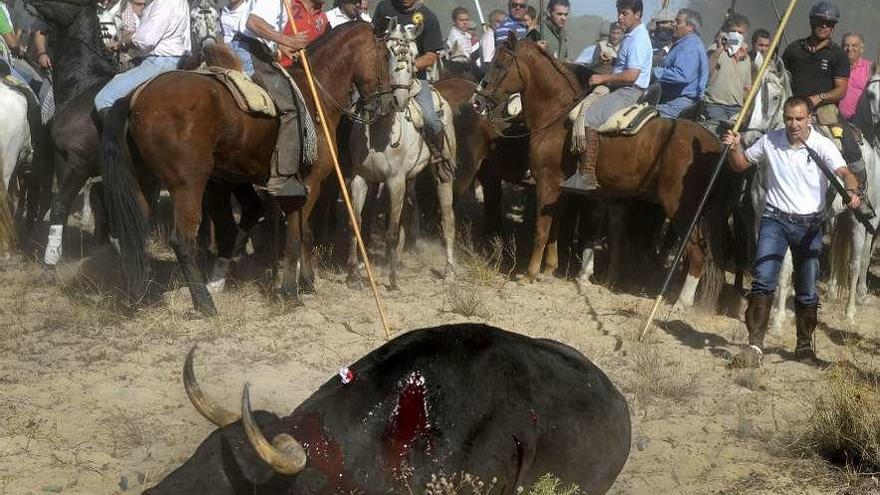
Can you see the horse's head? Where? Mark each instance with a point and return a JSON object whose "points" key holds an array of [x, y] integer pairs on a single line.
{"points": [[401, 44], [205, 24], [457, 54], [371, 71], [767, 110], [872, 94], [60, 14], [503, 79]]}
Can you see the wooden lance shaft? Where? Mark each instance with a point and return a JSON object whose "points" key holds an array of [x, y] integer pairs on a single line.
{"points": [[304, 59], [721, 161]]}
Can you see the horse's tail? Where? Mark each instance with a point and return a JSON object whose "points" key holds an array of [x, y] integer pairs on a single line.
{"points": [[7, 226], [714, 226], [839, 252], [128, 220]]}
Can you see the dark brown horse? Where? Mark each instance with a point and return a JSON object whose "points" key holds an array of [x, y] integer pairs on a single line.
{"points": [[668, 161], [185, 129]]}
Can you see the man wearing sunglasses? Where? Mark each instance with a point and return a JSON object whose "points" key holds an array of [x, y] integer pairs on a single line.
{"points": [[820, 72], [514, 22]]}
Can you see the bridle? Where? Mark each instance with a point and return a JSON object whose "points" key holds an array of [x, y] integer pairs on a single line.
{"points": [[494, 103]]}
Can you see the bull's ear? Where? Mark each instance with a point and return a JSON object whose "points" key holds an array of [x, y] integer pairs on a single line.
{"points": [[239, 457]]}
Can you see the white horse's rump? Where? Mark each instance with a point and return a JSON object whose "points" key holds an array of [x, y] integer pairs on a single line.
{"points": [[15, 152], [392, 151]]}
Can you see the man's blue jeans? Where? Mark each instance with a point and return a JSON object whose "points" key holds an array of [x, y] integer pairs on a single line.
{"points": [[124, 83], [673, 108], [426, 101], [777, 233], [721, 113], [244, 56]]}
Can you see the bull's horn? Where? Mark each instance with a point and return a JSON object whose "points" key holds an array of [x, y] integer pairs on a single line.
{"points": [[284, 454], [205, 406]]}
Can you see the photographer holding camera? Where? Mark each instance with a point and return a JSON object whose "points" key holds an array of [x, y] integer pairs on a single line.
{"points": [[730, 71]]}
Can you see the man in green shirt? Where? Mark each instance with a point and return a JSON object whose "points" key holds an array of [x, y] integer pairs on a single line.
{"points": [[553, 28]]}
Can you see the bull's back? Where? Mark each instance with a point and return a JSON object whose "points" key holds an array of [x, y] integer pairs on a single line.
{"points": [[496, 404]]}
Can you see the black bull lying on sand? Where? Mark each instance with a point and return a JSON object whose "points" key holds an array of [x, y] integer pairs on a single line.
{"points": [[440, 401]]}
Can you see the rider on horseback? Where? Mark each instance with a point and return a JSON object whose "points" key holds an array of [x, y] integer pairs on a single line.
{"points": [[267, 29], [628, 81], [429, 43], [684, 71], [820, 72], [163, 38]]}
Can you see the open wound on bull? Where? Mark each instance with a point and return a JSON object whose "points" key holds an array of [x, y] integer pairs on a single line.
{"points": [[409, 426]]}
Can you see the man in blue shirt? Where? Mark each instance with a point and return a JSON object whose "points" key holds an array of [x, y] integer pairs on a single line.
{"points": [[627, 81], [514, 22], [684, 72]]}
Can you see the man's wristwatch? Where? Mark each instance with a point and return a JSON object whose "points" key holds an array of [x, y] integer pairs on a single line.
{"points": [[823, 97]]}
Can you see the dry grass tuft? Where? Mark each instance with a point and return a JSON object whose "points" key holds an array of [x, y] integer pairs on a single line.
{"points": [[551, 485], [844, 427], [468, 484], [750, 378], [465, 300], [660, 377], [485, 266]]}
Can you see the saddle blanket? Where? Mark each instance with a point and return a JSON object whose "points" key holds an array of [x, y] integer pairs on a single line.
{"points": [[628, 121]]}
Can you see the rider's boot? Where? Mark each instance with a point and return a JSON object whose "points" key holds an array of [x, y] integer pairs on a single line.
{"points": [[584, 180], [436, 144], [283, 181], [806, 319]]}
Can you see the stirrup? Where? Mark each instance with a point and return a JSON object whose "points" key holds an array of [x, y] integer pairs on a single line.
{"points": [[578, 183], [286, 187]]}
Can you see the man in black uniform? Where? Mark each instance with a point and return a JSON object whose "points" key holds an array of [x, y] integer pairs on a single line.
{"points": [[429, 44], [820, 72]]}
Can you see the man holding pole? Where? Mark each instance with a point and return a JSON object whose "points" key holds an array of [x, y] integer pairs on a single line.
{"points": [[793, 216], [265, 39]]}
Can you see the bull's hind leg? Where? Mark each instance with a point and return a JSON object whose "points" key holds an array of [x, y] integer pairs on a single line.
{"points": [[187, 216]]}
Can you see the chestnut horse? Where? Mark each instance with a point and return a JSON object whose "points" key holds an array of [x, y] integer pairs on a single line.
{"points": [[668, 161], [185, 129]]}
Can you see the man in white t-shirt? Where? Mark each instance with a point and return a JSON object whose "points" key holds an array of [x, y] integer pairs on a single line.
{"points": [[792, 218], [347, 11]]}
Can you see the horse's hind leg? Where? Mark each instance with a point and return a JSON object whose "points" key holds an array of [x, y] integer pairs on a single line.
{"points": [[447, 214], [72, 180], [778, 311], [219, 207], [696, 259], [184, 242], [856, 262]]}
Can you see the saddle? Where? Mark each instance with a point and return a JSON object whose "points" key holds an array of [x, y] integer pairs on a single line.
{"points": [[414, 112], [628, 121]]}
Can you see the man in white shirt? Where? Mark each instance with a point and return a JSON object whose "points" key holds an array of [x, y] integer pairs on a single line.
{"points": [[232, 19], [487, 42], [162, 38], [459, 36], [792, 218], [347, 11]]}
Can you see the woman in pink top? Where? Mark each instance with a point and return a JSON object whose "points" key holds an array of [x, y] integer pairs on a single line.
{"points": [[860, 71]]}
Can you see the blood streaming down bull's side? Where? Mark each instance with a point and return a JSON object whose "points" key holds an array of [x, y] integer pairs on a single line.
{"points": [[441, 401]]}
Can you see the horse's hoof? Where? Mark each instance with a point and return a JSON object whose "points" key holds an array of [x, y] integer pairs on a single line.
{"points": [[307, 285], [207, 308], [354, 283], [216, 286]]}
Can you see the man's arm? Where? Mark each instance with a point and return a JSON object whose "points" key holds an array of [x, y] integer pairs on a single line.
{"points": [[851, 182], [736, 157], [834, 96], [287, 44], [714, 55], [683, 70], [426, 61], [41, 45], [626, 78]]}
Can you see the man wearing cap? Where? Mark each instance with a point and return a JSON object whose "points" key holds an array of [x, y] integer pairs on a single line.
{"points": [[820, 72], [346, 11], [627, 81]]}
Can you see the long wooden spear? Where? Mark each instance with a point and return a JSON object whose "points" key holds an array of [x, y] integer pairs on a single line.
{"points": [[319, 107], [721, 161]]}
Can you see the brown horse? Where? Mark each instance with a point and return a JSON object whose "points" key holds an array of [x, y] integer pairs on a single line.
{"points": [[185, 129], [668, 161]]}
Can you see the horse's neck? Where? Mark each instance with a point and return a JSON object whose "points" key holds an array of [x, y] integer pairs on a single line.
{"points": [[546, 91], [334, 73], [77, 58]]}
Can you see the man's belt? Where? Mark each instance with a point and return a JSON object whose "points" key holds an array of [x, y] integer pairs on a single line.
{"points": [[798, 218]]}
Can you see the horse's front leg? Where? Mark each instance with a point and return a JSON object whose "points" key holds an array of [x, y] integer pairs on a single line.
{"points": [[187, 216], [359, 189], [859, 234], [548, 193], [447, 215], [778, 311], [72, 180], [396, 189], [551, 260]]}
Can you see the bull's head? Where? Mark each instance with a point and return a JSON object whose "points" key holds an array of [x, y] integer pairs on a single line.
{"points": [[236, 458]]}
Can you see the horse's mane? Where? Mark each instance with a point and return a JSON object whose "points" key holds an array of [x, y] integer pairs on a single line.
{"points": [[568, 71], [863, 118], [330, 35]]}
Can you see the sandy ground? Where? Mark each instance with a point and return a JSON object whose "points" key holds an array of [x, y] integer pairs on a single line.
{"points": [[91, 399]]}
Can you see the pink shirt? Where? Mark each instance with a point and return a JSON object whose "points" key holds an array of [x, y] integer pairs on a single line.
{"points": [[859, 75]]}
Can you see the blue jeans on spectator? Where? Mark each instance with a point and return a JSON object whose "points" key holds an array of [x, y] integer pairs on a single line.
{"points": [[247, 63], [777, 233], [426, 101], [721, 113], [124, 83], [673, 108]]}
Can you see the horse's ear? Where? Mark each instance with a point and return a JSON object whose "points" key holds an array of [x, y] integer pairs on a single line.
{"points": [[512, 39], [417, 29]]}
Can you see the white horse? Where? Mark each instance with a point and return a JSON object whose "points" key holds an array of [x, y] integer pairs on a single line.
{"points": [[15, 152], [851, 245], [392, 151]]}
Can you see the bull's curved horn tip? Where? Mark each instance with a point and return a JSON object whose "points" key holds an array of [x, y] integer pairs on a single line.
{"points": [[285, 455], [205, 406]]}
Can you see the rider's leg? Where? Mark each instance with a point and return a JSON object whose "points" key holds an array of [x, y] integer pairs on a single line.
{"points": [[673, 108], [433, 124], [283, 180], [852, 154], [584, 180], [126, 82]]}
